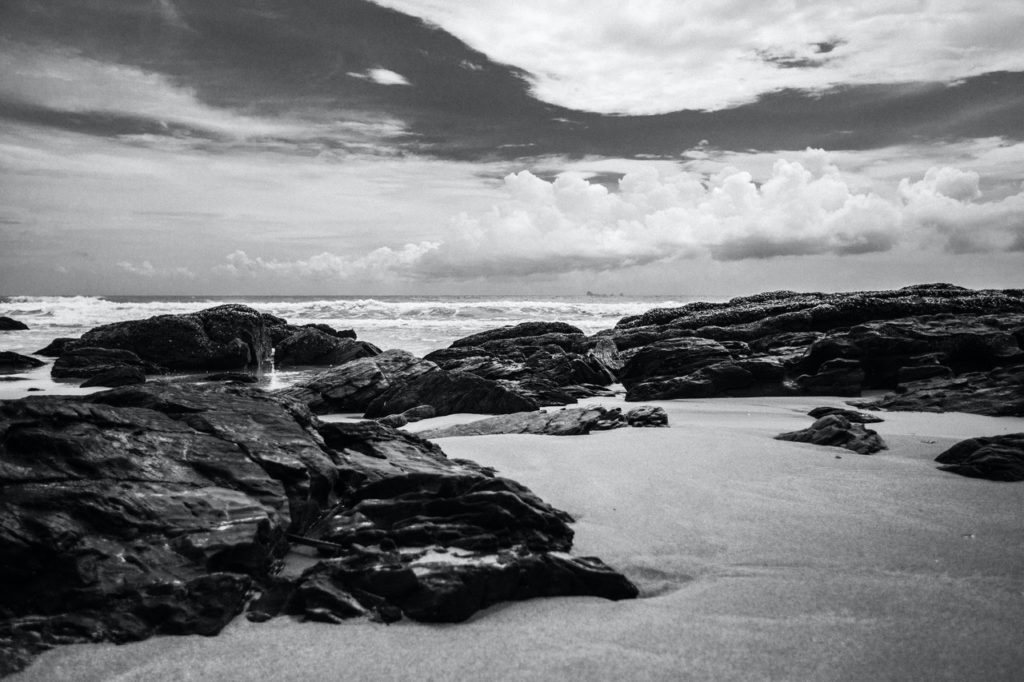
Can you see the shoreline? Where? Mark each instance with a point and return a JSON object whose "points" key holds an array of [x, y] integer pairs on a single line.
{"points": [[756, 559]]}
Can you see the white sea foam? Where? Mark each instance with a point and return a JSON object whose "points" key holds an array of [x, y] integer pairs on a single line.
{"points": [[416, 324]]}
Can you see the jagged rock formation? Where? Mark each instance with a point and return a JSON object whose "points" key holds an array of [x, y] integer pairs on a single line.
{"points": [[221, 338], [315, 347], [997, 393], [449, 393], [570, 421], [548, 362], [836, 430], [825, 344], [996, 458], [351, 387], [162, 508]]}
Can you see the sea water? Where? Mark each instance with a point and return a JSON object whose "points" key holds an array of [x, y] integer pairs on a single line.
{"points": [[413, 323]]}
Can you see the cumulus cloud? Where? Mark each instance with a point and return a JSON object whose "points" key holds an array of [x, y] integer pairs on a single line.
{"points": [[148, 270], [802, 208], [379, 263], [656, 56]]}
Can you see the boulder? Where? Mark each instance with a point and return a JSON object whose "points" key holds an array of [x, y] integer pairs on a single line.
{"points": [[15, 362], [838, 431], [88, 361], [449, 393], [646, 416], [123, 375], [315, 347], [352, 386], [997, 393], [836, 377], [226, 337], [56, 347], [413, 414], [280, 330], [160, 508], [8, 324], [996, 458], [850, 415], [524, 333]]}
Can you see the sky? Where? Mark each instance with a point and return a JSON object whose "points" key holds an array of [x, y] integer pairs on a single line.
{"points": [[348, 147]]}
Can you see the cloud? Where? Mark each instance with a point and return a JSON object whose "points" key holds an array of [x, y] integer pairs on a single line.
{"points": [[663, 55], [62, 80], [801, 209], [146, 269], [382, 77]]}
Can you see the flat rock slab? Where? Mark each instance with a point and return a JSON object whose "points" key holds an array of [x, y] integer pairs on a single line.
{"points": [[838, 431], [852, 415], [996, 458], [571, 421]]}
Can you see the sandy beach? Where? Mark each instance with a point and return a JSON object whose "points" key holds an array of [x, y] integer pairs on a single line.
{"points": [[757, 559]]}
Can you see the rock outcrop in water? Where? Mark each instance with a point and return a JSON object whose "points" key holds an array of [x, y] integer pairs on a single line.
{"points": [[222, 338], [163, 508], [910, 340], [8, 324], [15, 362]]}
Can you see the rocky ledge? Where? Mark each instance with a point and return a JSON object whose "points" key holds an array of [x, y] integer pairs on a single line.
{"points": [[935, 345], [570, 421], [169, 508], [996, 458]]}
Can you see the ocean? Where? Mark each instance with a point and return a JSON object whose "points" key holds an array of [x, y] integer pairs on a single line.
{"points": [[418, 324]]}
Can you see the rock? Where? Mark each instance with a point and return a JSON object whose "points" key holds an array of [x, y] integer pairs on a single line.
{"points": [[413, 414], [449, 393], [570, 421], [996, 458], [56, 347], [352, 386], [836, 430], [160, 508], [850, 415], [835, 377], [998, 393], [280, 330], [15, 362], [222, 338], [87, 362], [123, 375], [647, 416], [524, 330], [8, 324], [314, 347]]}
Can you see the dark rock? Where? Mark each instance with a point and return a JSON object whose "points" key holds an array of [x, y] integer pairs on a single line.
{"points": [[851, 415], [448, 393], [8, 324], [570, 421], [280, 330], [56, 347], [647, 416], [88, 361], [996, 458], [835, 377], [160, 508], [352, 386], [15, 362], [836, 430], [413, 414], [998, 393], [123, 375], [524, 330], [222, 338], [314, 347]]}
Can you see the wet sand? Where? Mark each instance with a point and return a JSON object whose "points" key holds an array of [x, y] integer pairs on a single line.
{"points": [[757, 559]]}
